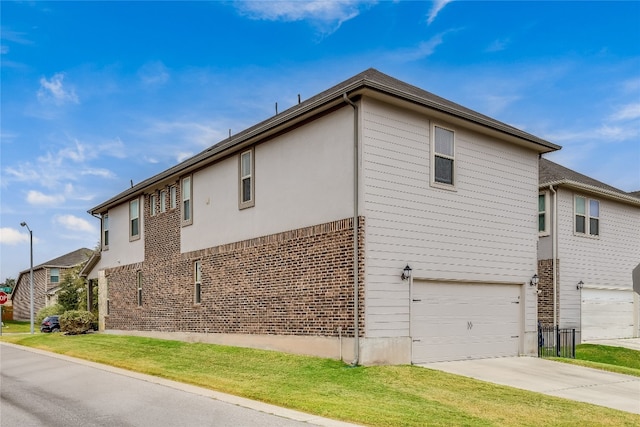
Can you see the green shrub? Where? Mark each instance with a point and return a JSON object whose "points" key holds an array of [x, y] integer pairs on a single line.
{"points": [[76, 321], [48, 311]]}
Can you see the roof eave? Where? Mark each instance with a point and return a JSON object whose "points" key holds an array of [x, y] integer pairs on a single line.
{"points": [[621, 197], [301, 112]]}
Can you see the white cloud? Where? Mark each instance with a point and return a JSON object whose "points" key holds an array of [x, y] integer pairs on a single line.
{"points": [[53, 90], [40, 199], [74, 223], [498, 45], [154, 74], [423, 50], [627, 112], [438, 5], [11, 236], [182, 156], [327, 16]]}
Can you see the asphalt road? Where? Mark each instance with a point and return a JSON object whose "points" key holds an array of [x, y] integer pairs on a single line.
{"points": [[45, 391]]}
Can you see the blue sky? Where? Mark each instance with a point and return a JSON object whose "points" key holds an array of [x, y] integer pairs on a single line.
{"points": [[98, 94]]}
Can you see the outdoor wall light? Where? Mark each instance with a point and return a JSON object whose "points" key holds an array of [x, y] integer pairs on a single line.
{"points": [[406, 273], [580, 285], [534, 280]]}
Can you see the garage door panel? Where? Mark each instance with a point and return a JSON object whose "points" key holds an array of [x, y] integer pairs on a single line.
{"points": [[451, 321], [606, 314]]}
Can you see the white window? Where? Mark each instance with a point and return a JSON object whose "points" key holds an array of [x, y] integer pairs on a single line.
{"points": [[173, 194], [197, 279], [587, 216], [443, 156], [246, 181], [134, 219], [543, 213], [153, 201], [163, 201], [105, 232], [187, 208], [139, 292], [54, 275]]}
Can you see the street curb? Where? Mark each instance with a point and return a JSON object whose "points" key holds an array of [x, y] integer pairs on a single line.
{"points": [[201, 391]]}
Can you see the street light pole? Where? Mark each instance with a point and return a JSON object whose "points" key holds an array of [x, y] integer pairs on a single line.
{"points": [[24, 224]]}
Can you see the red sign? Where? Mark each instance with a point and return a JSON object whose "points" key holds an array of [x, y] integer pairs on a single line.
{"points": [[3, 297]]}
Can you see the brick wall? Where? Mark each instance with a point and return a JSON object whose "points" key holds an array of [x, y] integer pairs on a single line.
{"points": [[545, 286], [299, 282]]}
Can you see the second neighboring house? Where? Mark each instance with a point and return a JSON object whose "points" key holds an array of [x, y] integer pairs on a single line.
{"points": [[46, 283], [589, 246], [375, 221]]}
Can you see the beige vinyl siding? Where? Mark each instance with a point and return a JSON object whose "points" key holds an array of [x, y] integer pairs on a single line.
{"points": [[122, 250], [602, 262], [302, 178], [484, 231]]}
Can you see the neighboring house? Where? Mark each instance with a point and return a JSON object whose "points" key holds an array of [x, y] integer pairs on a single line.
{"points": [[252, 242], [46, 283], [596, 248]]}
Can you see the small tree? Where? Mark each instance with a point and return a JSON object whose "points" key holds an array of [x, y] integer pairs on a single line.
{"points": [[70, 288]]}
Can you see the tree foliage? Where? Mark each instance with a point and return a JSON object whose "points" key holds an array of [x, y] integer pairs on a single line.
{"points": [[71, 288], [48, 311]]}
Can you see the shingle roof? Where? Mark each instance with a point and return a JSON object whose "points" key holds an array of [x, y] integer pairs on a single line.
{"points": [[551, 173], [370, 79], [635, 194], [69, 260]]}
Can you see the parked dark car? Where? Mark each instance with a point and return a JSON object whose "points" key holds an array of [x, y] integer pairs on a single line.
{"points": [[50, 324]]}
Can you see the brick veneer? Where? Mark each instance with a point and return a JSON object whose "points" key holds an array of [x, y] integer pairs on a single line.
{"points": [[545, 286], [298, 282]]}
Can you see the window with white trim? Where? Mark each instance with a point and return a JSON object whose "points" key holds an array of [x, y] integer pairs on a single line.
{"points": [[246, 183], [543, 213], [139, 290], [134, 219], [173, 197], [105, 232], [163, 201], [443, 156], [153, 202], [187, 207], [197, 280], [587, 216], [54, 275]]}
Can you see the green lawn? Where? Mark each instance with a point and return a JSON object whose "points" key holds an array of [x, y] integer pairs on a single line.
{"points": [[14, 326], [376, 396], [614, 359]]}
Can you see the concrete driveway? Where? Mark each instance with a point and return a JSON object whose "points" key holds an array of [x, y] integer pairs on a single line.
{"points": [[632, 343], [558, 379]]}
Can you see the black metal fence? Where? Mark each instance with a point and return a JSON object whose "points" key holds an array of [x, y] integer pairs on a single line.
{"points": [[556, 342]]}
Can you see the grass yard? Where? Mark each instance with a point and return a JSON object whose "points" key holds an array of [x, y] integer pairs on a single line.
{"points": [[14, 326], [613, 359], [375, 396]]}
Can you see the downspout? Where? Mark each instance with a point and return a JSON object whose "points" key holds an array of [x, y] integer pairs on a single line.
{"points": [[554, 252], [356, 284]]}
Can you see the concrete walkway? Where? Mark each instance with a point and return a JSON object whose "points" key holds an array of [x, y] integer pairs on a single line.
{"points": [[558, 379]]}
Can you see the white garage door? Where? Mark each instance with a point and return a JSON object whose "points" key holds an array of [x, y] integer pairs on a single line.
{"points": [[451, 321], [606, 314]]}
